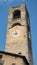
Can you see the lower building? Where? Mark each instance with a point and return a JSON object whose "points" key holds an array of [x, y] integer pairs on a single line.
{"points": [[12, 59]]}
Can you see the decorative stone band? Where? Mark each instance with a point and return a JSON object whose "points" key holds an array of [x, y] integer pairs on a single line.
{"points": [[12, 59]]}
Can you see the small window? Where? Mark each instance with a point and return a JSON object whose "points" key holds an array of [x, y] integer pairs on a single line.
{"points": [[1, 61], [16, 14], [13, 63], [19, 53], [0, 56]]}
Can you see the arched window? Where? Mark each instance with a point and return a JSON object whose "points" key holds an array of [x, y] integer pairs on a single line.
{"points": [[16, 24], [16, 14]]}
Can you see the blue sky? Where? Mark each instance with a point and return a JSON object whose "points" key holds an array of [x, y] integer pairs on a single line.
{"points": [[32, 8]]}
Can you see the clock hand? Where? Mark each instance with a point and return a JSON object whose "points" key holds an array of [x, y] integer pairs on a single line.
{"points": [[15, 33]]}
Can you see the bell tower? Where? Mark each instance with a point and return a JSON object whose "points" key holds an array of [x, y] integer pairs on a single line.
{"points": [[18, 38]]}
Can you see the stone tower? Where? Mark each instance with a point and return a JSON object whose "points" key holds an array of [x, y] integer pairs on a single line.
{"points": [[18, 38]]}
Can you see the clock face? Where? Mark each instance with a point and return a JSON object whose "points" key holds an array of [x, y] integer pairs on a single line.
{"points": [[16, 33]]}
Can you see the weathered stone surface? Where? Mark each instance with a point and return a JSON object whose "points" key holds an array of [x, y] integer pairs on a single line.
{"points": [[12, 59]]}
